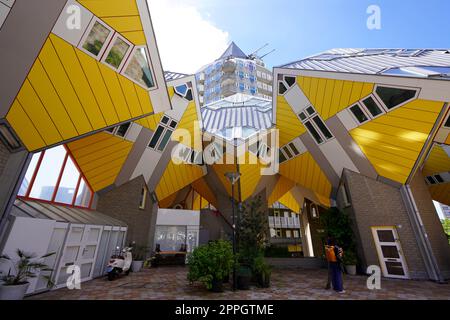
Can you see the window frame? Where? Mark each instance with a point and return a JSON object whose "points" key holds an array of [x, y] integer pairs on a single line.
{"points": [[143, 199], [166, 127], [310, 119], [110, 46], [377, 102], [363, 109], [81, 177], [380, 101], [86, 35], [150, 64]]}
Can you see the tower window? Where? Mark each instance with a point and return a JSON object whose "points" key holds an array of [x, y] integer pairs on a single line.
{"points": [[372, 106], [358, 113]]}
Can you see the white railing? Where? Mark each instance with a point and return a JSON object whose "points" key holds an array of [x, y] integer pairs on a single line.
{"points": [[277, 221], [271, 222]]}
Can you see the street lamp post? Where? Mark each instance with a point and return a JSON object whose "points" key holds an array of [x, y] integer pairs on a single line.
{"points": [[233, 177]]}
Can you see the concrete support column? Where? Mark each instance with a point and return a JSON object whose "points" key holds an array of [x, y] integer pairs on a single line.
{"points": [[12, 170]]}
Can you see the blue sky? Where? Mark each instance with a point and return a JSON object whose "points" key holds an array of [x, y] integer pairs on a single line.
{"points": [[298, 28]]}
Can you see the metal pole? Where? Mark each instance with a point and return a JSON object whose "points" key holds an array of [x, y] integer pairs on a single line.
{"points": [[234, 236]]}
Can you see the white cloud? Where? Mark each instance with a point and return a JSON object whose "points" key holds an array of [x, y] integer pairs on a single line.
{"points": [[186, 40]]}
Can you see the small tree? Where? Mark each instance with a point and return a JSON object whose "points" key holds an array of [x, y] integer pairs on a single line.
{"points": [[337, 224], [252, 230]]}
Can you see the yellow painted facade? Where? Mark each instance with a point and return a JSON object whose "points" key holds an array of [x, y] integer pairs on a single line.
{"points": [[289, 201], [393, 142], [329, 96], [437, 161], [282, 186], [121, 15], [202, 188], [67, 93], [100, 157], [189, 122], [176, 177], [305, 171], [287, 122], [441, 193]]}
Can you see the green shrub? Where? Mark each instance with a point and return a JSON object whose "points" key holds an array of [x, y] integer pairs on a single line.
{"points": [[211, 262]]}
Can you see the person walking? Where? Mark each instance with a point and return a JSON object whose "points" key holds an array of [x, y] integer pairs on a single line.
{"points": [[334, 255]]}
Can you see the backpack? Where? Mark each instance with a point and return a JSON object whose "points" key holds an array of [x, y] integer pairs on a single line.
{"points": [[330, 254]]}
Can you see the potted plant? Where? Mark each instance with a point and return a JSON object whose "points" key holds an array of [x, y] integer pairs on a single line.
{"points": [[15, 285], [244, 276], [349, 259], [262, 272], [211, 264], [138, 258]]}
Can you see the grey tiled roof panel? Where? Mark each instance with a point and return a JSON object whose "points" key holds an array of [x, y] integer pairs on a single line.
{"points": [[239, 110], [371, 61], [61, 213]]}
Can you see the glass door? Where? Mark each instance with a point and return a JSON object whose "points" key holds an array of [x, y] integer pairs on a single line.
{"points": [[390, 252]]}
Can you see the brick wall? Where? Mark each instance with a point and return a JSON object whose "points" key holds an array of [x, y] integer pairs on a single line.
{"points": [[433, 226], [123, 203], [374, 203]]}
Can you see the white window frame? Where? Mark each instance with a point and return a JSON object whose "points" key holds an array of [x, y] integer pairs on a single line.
{"points": [[109, 47], [86, 34], [377, 102], [364, 110], [309, 118], [378, 99], [116, 128], [127, 62], [166, 127]]}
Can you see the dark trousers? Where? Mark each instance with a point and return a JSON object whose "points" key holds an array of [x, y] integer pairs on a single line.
{"points": [[336, 276]]}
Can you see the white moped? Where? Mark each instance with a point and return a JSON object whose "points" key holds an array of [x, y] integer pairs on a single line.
{"points": [[119, 263]]}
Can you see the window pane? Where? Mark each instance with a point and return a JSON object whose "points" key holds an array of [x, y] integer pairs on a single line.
{"points": [[68, 183], [390, 251], [385, 235], [395, 268], [358, 113], [156, 136], [313, 132], [48, 174], [281, 157], [322, 127], [372, 106], [122, 130], [96, 38], [117, 52], [165, 120], [29, 174], [431, 180], [310, 110], [294, 149], [392, 97], [288, 153], [447, 123], [139, 69], [83, 195], [302, 116], [438, 178], [165, 140]]}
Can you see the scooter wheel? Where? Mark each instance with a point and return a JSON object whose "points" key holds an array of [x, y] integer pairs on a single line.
{"points": [[127, 272], [111, 275]]}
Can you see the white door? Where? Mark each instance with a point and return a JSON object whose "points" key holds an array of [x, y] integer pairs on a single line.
{"points": [[390, 252], [80, 249]]}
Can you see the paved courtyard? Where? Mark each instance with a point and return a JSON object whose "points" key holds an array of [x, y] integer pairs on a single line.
{"points": [[171, 283]]}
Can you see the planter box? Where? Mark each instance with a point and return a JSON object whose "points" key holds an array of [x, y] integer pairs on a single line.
{"points": [[351, 269], [136, 266]]}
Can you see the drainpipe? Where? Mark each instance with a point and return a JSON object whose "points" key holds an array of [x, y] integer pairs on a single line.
{"points": [[420, 233]]}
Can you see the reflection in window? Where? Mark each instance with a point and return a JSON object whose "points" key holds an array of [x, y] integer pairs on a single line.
{"points": [[83, 195], [48, 173], [68, 183], [29, 174], [392, 97], [96, 38], [138, 68], [156, 136], [56, 179], [358, 113], [313, 132], [322, 127], [117, 53], [165, 140], [372, 106]]}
